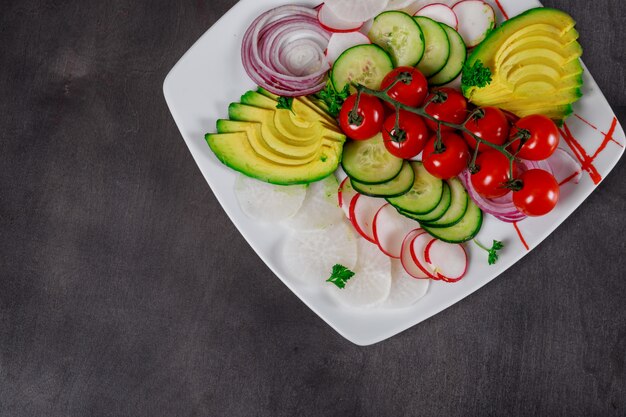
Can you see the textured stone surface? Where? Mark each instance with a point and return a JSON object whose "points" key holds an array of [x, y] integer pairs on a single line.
{"points": [[126, 291]]}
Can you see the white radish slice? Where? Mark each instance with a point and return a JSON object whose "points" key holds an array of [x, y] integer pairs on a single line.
{"points": [[268, 202], [390, 229], [409, 264], [319, 209], [417, 253], [363, 209], [366, 27], [345, 194], [356, 10], [399, 4], [339, 42], [439, 13], [405, 290], [565, 167], [310, 255], [476, 19], [332, 23], [371, 282], [448, 260]]}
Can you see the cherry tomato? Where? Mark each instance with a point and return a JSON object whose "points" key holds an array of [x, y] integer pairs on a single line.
{"points": [[539, 193], [411, 138], [543, 139], [368, 120], [451, 109], [488, 123], [451, 161], [412, 93], [494, 171]]}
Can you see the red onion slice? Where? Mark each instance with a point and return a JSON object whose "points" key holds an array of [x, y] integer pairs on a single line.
{"points": [[501, 208]]}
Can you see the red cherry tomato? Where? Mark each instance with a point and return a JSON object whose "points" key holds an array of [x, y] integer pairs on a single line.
{"points": [[412, 93], [493, 173], [539, 193], [410, 140], [451, 161], [451, 108], [368, 119], [543, 140], [488, 123]]}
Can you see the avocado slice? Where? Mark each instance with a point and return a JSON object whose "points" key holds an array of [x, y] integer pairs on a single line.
{"points": [[533, 63]]}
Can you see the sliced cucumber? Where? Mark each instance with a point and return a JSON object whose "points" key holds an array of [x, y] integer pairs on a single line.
{"points": [[369, 162], [464, 230], [363, 64], [437, 48], [438, 211], [456, 60], [399, 185], [424, 195], [400, 35], [457, 208]]}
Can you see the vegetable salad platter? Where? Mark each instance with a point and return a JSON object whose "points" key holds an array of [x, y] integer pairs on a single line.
{"points": [[387, 158]]}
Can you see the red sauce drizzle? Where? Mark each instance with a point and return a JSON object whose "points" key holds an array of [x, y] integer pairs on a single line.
{"points": [[568, 179], [585, 121], [521, 237], [506, 16]]}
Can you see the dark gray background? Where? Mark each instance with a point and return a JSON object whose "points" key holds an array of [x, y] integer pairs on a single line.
{"points": [[126, 291]]}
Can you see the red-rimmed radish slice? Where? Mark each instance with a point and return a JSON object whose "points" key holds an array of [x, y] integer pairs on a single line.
{"points": [[319, 209], [399, 4], [390, 229], [565, 167], [366, 27], [476, 19], [405, 290], [311, 255], [407, 260], [448, 260], [363, 209], [439, 13], [331, 22], [268, 202], [356, 10], [345, 194], [371, 282], [417, 253], [339, 42]]}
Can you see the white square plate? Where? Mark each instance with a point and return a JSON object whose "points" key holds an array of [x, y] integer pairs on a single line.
{"points": [[210, 75]]}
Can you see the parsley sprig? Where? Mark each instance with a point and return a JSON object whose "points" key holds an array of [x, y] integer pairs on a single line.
{"points": [[492, 252], [333, 98], [476, 76], [285, 103], [340, 275]]}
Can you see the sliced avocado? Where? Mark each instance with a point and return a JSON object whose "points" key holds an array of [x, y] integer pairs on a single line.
{"points": [[234, 150]]}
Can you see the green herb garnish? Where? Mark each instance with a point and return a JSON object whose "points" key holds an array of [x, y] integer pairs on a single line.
{"points": [[340, 275], [493, 252], [333, 98], [285, 103], [476, 76]]}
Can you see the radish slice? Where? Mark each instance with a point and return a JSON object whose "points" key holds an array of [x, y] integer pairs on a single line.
{"points": [[565, 167], [417, 253], [331, 22], [476, 19], [405, 290], [345, 194], [390, 229], [409, 264], [366, 27], [311, 255], [319, 209], [363, 209], [339, 42], [356, 10], [399, 4], [440, 13], [448, 260], [371, 282], [268, 202]]}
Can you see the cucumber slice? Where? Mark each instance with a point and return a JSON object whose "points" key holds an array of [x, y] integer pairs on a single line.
{"points": [[424, 195], [363, 64], [456, 60], [437, 48], [392, 188], [464, 230], [457, 208], [438, 211], [369, 162], [400, 35]]}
